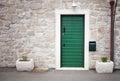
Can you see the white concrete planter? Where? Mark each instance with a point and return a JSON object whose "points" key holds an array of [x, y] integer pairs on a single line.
{"points": [[104, 67], [24, 65]]}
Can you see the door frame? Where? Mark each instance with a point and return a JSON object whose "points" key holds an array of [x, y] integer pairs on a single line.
{"points": [[58, 14]]}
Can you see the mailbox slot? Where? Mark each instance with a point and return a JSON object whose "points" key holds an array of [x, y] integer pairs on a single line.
{"points": [[92, 46]]}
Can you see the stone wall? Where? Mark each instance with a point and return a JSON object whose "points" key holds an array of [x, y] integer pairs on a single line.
{"points": [[28, 27], [117, 37]]}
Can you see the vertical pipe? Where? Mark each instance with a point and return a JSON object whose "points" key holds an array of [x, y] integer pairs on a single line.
{"points": [[112, 31]]}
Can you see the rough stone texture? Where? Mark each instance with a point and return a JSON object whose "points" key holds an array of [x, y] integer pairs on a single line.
{"points": [[117, 37], [28, 27]]}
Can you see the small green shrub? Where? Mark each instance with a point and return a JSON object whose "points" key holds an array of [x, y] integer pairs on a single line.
{"points": [[24, 58], [104, 59]]}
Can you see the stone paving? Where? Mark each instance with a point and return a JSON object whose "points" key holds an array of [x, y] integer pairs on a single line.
{"points": [[10, 74]]}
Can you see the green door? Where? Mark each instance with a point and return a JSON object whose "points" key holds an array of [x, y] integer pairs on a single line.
{"points": [[72, 40]]}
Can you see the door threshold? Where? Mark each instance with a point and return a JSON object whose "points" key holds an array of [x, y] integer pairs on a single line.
{"points": [[68, 68]]}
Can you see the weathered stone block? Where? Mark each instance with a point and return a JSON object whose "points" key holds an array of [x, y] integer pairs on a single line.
{"points": [[40, 11], [1, 23], [118, 18], [33, 5], [31, 33]]}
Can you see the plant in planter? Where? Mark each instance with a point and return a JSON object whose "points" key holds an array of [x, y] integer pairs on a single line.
{"points": [[24, 64], [24, 58], [104, 59], [104, 66]]}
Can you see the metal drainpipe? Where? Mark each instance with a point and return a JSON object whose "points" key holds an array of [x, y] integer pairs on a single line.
{"points": [[112, 31], [116, 1]]}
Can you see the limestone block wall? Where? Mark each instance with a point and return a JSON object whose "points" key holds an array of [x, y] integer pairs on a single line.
{"points": [[28, 27], [117, 37]]}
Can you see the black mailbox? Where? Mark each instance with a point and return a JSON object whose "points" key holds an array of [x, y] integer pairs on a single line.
{"points": [[92, 46]]}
